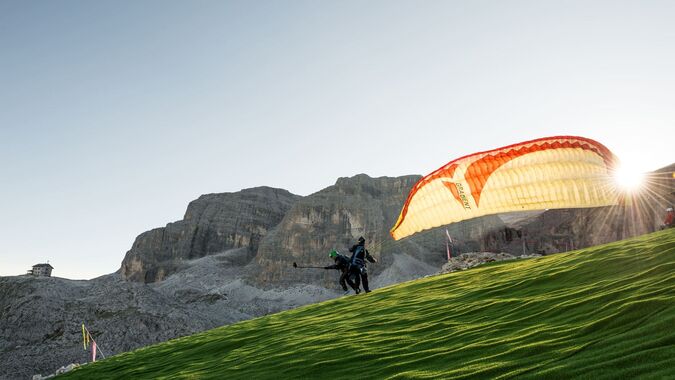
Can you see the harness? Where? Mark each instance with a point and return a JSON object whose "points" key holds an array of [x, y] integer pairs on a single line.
{"points": [[357, 257]]}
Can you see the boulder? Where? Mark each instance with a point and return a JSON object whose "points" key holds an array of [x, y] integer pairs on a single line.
{"points": [[473, 259]]}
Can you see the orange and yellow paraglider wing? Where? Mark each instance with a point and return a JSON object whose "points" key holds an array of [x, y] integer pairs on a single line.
{"points": [[555, 172]]}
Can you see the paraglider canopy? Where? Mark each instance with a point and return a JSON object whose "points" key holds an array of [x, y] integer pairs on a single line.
{"points": [[547, 173]]}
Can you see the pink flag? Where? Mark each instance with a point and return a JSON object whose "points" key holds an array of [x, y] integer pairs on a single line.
{"points": [[93, 351]]}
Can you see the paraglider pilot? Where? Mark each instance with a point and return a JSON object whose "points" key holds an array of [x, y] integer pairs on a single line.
{"points": [[342, 264], [357, 263]]}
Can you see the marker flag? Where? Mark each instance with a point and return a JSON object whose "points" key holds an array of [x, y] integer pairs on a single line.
{"points": [[84, 338]]}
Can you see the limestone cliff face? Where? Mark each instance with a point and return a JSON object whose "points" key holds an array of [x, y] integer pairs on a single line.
{"points": [[336, 216], [213, 223]]}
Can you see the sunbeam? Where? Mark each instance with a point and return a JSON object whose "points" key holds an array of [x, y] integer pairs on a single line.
{"points": [[629, 178]]}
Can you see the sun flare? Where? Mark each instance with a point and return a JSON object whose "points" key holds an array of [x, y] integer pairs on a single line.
{"points": [[628, 177]]}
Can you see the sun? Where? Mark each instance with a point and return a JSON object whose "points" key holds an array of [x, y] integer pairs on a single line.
{"points": [[628, 177]]}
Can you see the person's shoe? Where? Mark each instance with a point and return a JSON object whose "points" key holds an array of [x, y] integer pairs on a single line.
{"points": [[357, 291], [367, 291]]}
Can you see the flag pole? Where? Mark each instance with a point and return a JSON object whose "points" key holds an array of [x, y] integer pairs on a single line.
{"points": [[447, 244]]}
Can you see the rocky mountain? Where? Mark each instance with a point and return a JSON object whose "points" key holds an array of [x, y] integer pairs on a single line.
{"points": [[212, 223], [230, 258]]}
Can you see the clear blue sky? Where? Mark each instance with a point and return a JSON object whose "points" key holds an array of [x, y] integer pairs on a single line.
{"points": [[115, 114]]}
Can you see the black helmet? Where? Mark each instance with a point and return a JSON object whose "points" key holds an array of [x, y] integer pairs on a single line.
{"points": [[362, 240]]}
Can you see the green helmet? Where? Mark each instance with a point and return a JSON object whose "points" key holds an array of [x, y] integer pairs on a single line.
{"points": [[333, 254]]}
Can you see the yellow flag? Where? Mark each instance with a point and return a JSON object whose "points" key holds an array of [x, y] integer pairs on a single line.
{"points": [[84, 338]]}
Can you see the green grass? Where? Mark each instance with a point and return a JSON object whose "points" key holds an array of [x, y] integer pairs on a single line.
{"points": [[605, 312]]}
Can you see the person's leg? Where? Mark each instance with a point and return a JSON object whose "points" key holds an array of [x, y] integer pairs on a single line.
{"points": [[364, 280], [354, 280], [347, 278], [343, 279]]}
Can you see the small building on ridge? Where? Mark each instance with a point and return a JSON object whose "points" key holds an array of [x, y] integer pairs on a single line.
{"points": [[41, 270]]}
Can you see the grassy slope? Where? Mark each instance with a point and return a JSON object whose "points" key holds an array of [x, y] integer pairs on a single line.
{"points": [[602, 312]]}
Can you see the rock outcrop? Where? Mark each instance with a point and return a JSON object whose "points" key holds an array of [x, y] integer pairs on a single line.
{"points": [[213, 223], [472, 259]]}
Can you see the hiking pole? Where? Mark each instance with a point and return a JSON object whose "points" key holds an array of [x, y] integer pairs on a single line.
{"points": [[299, 266]]}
